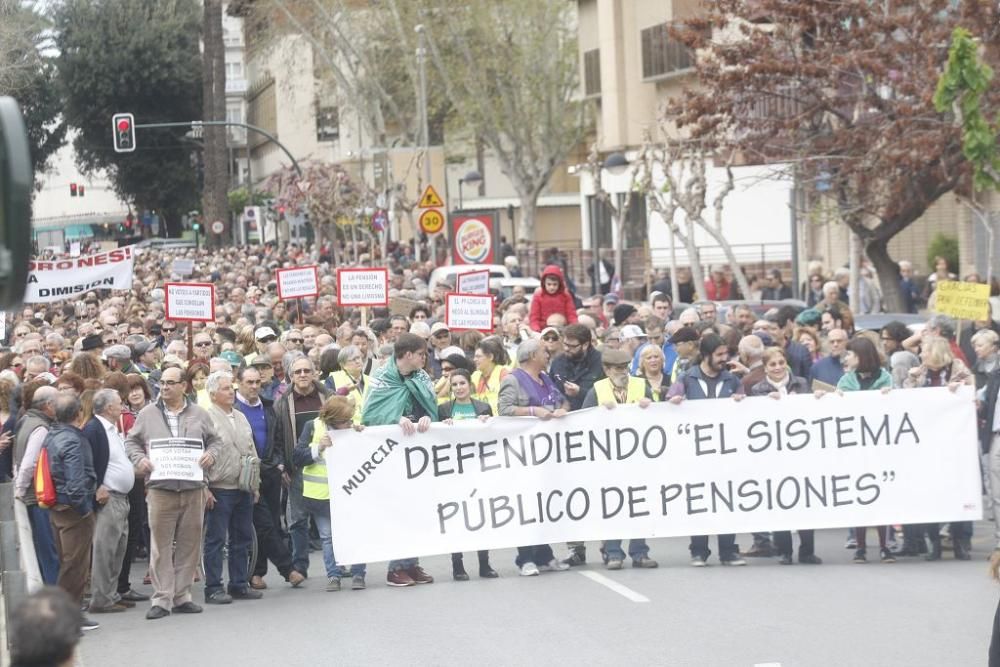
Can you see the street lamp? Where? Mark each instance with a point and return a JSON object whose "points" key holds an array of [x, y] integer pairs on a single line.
{"points": [[616, 164], [473, 178]]}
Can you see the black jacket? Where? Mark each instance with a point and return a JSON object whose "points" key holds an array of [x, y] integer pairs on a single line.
{"points": [[482, 409], [989, 407], [273, 454], [99, 448], [584, 373], [72, 466], [285, 435]]}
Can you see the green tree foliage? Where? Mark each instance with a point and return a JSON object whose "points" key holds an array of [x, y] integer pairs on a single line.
{"points": [[943, 245], [141, 57], [27, 74]]}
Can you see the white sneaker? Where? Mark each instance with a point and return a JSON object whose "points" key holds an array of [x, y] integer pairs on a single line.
{"points": [[554, 565], [529, 569]]}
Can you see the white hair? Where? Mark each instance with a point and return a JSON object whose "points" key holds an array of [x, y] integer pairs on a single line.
{"points": [[215, 379]]}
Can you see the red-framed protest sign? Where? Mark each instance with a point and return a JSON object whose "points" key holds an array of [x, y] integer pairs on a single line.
{"points": [[473, 282], [463, 312], [190, 302], [363, 287], [298, 282]]}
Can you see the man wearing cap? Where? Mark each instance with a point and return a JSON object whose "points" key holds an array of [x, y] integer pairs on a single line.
{"points": [[440, 340], [633, 338], [710, 380], [620, 388], [685, 343], [264, 337], [552, 342], [92, 345], [624, 313], [119, 358]]}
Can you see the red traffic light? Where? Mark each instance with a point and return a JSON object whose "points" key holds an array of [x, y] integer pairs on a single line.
{"points": [[72, 189], [124, 125]]}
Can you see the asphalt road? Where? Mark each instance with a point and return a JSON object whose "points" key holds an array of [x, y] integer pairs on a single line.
{"points": [[908, 613]]}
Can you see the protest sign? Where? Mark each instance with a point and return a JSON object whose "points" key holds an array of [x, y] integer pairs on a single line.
{"points": [[182, 267], [190, 301], [176, 459], [298, 282], [699, 468], [473, 282], [58, 279], [963, 301], [468, 311], [363, 287]]}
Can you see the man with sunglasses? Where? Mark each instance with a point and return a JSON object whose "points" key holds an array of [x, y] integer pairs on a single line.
{"points": [[293, 340], [204, 348], [620, 388]]}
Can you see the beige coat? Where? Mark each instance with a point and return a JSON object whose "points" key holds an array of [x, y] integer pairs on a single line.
{"points": [[236, 438]]}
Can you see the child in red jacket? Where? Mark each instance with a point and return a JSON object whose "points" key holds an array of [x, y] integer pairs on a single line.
{"points": [[552, 297]]}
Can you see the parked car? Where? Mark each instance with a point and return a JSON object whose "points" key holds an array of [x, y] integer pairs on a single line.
{"points": [[875, 321]]}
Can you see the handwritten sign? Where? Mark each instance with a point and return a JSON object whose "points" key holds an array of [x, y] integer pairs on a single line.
{"points": [[176, 459], [298, 282], [190, 302], [363, 287], [469, 311], [963, 301], [182, 267], [473, 282]]}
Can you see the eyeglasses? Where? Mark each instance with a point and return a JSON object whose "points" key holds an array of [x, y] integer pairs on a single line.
{"points": [[302, 371], [295, 340], [618, 367], [572, 346], [442, 334], [267, 339], [204, 343], [550, 339], [17, 365], [169, 383]]}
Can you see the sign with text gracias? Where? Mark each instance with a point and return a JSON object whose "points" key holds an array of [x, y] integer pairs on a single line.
{"points": [[699, 468]]}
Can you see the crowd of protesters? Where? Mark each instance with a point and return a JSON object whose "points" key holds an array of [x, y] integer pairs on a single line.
{"points": [[267, 385]]}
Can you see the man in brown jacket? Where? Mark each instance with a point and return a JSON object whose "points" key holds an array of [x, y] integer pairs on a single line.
{"points": [[172, 431]]}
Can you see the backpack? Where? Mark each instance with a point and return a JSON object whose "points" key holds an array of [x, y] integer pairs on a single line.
{"points": [[45, 490]]}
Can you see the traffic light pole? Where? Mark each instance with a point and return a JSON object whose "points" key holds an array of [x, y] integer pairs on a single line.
{"points": [[252, 128]]}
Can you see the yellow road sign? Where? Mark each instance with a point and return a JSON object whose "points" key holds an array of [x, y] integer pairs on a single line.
{"points": [[430, 198], [431, 221]]}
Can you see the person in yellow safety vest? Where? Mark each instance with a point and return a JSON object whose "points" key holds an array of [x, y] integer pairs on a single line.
{"points": [[490, 359], [620, 388], [336, 414], [349, 380]]}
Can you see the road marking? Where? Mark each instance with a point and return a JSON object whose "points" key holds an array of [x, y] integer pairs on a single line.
{"points": [[767, 664], [624, 591]]}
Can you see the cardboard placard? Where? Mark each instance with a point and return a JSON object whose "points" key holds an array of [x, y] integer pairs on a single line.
{"points": [[298, 282], [469, 311], [961, 300], [190, 302], [363, 287]]}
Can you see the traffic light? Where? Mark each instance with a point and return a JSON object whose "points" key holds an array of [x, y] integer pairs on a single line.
{"points": [[123, 131], [196, 227], [72, 190], [81, 189]]}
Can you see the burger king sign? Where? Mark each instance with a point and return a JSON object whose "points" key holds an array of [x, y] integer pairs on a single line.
{"points": [[473, 238]]}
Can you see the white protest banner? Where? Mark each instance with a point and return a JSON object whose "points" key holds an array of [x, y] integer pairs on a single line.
{"points": [[699, 468], [58, 279], [190, 301], [182, 267], [363, 287], [298, 282], [468, 311], [473, 282], [176, 458]]}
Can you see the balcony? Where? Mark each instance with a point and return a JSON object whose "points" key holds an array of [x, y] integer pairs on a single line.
{"points": [[236, 86]]}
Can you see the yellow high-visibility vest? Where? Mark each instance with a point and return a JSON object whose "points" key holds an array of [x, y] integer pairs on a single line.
{"points": [[315, 483], [342, 379], [605, 391], [487, 390]]}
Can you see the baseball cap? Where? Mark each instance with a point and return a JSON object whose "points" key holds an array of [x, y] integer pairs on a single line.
{"points": [[439, 326], [633, 331], [610, 298], [548, 330], [233, 358], [420, 329], [118, 352], [264, 332]]}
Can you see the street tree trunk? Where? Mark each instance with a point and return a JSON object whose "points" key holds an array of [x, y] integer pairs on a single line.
{"points": [[888, 275], [214, 205]]}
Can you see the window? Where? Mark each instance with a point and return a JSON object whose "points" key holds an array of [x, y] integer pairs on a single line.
{"points": [[234, 70], [262, 112], [661, 54], [327, 124], [636, 225], [592, 73]]}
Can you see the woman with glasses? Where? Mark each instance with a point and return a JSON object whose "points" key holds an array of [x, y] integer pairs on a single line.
{"points": [[459, 408], [337, 414], [491, 360], [350, 381]]}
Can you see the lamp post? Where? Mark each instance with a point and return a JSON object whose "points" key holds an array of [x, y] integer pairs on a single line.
{"points": [[615, 164], [473, 179]]}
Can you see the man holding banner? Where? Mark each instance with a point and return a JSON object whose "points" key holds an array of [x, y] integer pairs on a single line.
{"points": [[401, 392], [710, 379]]}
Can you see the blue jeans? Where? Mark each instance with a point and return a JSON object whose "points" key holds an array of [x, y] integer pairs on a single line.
{"points": [[45, 544], [298, 524], [232, 518], [323, 525], [403, 564], [636, 549]]}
